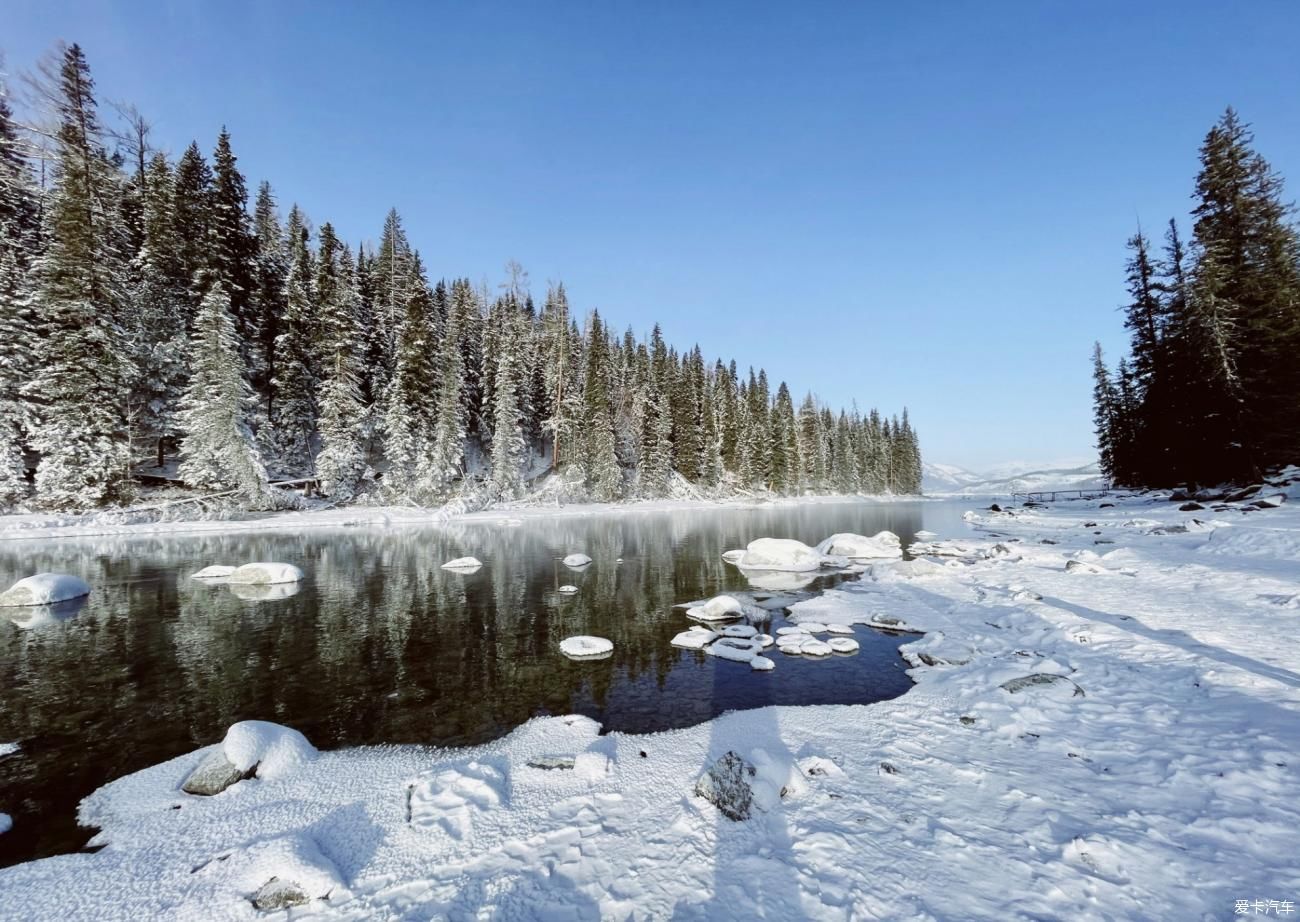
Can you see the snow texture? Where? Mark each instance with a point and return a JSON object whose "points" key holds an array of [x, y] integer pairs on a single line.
{"points": [[1152, 774], [44, 589], [586, 647]]}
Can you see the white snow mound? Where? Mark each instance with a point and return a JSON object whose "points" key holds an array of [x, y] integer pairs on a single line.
{"points": [[44, 589], [567, 589], [577, 560], [693, 640], [266, 573], [883, 544], [276, 751], [718, 608], [463, 563], [783, 554]]}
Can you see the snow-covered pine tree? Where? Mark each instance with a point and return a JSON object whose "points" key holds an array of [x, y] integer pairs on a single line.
{"points": [[710, 463], [509, 449], [80, 382], [446, 460], [18, 241], [233, 250], [341, 464], [784, 445], [392, 274], [603, 477], [269, 273], [297, 376], [192, 221], [218, 451], [407, 411], [156, 328], [655, 468]]}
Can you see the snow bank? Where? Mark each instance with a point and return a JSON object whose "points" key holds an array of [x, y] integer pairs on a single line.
{"points": [[884, 544], [586, 647], [276, 751], [783, 554], [258, 573], [44, 589]]}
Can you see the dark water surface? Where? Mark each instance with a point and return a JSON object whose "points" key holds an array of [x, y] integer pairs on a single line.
{"points": [[380, 645]]}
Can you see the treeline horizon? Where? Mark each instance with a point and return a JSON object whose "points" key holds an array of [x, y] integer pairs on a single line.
{"points": [[1210, 390], [145, 312]]}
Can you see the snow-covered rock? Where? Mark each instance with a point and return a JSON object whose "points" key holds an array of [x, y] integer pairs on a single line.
{"points": [[264, 592], [736, 649], [733, 556], [568, 589], [727, 785], [6, 823], [584, 646], [843, 644], [781, 554], [765, 639], [266, 573], [212, 776], [694, 639], [813, 627], [815, 648], [577, 561], [278, 894], [718, 608], [743, 631], [844, 629], [44, 589], [761, 664], [463, 564], [216, 571], [884, 544]]}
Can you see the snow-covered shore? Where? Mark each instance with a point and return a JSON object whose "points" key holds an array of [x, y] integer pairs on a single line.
{"points": [[38, 526], [1105, 725]]}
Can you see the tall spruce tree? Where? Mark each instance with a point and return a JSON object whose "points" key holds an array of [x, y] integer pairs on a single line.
{"points": [[341, 464], [79, 388]]}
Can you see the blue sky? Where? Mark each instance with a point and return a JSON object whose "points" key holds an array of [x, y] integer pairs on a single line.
{"points": [[899, 204]]}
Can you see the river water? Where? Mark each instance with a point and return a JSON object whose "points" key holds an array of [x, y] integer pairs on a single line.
{"points": [[380, 645]]}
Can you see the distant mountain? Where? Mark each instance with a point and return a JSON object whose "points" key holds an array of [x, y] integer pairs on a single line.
{"points": [[947, 478]]}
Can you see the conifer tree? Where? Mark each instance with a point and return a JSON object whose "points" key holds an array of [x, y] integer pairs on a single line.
{"points": [[269, 272], [297, 367], [79, 388], [407, 402], [341, 464], [192, 221], [217, 448]]}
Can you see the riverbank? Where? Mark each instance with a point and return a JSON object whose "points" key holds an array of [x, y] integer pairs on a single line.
{"points": [[1104, 726], [37, 526]]}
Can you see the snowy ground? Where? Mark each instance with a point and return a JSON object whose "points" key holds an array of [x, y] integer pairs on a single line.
{"points": [[1106, 725]]}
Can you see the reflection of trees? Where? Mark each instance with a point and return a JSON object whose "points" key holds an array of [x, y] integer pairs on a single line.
{"points": [[379, 644]]}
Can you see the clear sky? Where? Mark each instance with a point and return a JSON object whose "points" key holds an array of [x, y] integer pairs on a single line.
{"points": [[920, 204]]}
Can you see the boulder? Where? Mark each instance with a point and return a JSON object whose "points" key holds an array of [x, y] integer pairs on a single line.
{"points": [[278, 894], [1040, 680], [1190, 507], [728, 786], [213, 775]]}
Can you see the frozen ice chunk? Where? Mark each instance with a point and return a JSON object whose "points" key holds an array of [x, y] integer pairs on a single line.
{"points": [[266, 573], [44, 589], [586, 647]]}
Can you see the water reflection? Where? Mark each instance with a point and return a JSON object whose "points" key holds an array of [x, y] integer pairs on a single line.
{"points": [[380, 644]]}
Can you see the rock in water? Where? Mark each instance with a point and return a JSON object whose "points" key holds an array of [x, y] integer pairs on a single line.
{"points": [[213, 775], [780, 554], [279, 894], [463, 564], [883, 544], [567, 589], [44, 589], [726, 785], [576, 561]]}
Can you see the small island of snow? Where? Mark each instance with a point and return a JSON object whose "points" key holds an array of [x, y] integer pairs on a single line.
{"points": [[44, 589]]}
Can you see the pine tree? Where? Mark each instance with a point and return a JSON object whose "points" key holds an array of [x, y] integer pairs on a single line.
{"points": [[508, 445], [192, 222], [603, 477], [784, 442], [447, 458], [297, 369], [406, 419], [18, 239], [217, 448], [233, 248], [341, 464], [79, 387], [269, 272]]}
